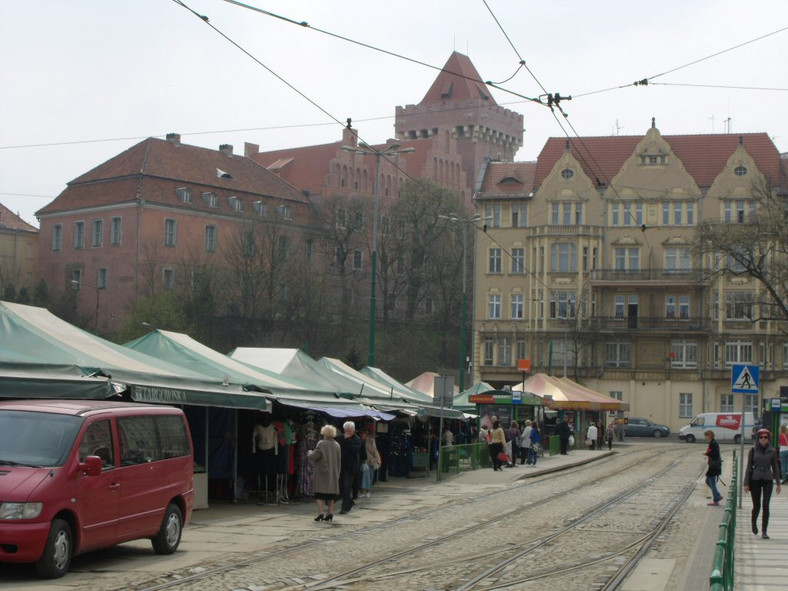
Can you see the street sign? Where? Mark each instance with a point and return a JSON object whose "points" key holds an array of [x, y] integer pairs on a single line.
{"points": [[517, 397], [745, 379], [443, 391], [524, 365]]}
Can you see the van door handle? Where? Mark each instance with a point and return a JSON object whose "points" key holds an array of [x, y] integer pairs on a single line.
{"points": [[114, 485]]}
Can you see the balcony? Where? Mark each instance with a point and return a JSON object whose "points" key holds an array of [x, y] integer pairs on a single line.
{"points": [[649, 277], [624, 324]]}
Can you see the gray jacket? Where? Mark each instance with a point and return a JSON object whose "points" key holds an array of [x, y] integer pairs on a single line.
{"points": [[761, 465]]}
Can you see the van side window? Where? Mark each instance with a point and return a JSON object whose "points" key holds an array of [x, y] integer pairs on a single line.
{"points": [[151, 438], [97, 441]]}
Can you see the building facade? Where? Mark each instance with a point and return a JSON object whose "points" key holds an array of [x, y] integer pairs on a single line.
{"points": [[589, 267], [18, 255]]}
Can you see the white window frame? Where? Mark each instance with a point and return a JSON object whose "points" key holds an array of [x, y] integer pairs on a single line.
{"points": [[494, 306], [495, 261], [518, 260], [685, 405], [517, 308], [684, 354], [170, 232], [618, 354]]}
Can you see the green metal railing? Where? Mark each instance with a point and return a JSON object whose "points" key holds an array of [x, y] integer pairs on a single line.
{"points": [[465, 457], [721, 578]]}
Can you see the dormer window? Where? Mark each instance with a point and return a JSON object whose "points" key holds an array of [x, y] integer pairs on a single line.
{"points": [[184, 194], [261, 208], [740, 171], [235, 203], [659, 159], [222, 174], [285, 211], [210, 198], [567, 173]]}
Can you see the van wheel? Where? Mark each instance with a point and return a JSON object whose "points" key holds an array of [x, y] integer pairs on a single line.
{"points": [[56, 559], [690, 439], [169, 537], [737, 439]]}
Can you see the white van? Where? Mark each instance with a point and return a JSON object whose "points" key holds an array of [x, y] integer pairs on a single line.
{"points": [[726, 426]]}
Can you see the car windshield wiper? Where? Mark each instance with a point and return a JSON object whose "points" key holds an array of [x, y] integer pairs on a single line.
{"points": [[10, 463]]}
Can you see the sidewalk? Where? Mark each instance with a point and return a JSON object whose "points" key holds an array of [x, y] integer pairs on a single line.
{"points": [[762, 564]]}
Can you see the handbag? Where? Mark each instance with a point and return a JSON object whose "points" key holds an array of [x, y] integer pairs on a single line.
{"points": [[502, 457]]}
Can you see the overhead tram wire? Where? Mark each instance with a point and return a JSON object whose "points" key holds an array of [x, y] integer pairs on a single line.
{"points": [[306, 25], [648, 80], [554, 102]]}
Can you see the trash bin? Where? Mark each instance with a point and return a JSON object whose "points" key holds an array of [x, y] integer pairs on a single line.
{"points": [[555, 444]]}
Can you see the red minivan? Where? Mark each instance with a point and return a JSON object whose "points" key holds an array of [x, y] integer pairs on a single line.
{"points": [[78, 475]]}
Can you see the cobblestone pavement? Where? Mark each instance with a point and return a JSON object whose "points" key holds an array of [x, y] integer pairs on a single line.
{"points": [[254, 537]]}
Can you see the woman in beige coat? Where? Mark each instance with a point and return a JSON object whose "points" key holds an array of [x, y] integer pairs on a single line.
{"points": [[327, 459]]}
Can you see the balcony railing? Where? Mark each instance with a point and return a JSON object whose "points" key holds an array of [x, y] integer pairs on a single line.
{"points": [[651, 274], [648, 323]]}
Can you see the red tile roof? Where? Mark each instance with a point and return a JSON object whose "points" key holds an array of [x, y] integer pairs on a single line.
{"points": [[306, 167], [458, 81], [703, 156], [199, 169], [504, 179], [10, 221]]}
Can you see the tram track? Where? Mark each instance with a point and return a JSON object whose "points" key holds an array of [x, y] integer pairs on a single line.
{"points": [[324, 578]]}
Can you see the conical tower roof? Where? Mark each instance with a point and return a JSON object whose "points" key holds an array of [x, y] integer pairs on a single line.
{"points": [[458, 81]]}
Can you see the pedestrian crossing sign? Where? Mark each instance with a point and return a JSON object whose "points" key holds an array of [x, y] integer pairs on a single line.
{"points": [[745, 379]]}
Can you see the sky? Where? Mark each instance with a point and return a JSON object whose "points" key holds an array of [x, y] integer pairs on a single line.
{"points": [[83, 80]]}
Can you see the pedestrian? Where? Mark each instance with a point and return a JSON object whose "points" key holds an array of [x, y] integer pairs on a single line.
{"points": [[591, 435], [370, 465], [448, 437], [758, 479], [783, 443], [563, 431], [600, 429], [497, 445], [516, 438], [535, 444], [351, 449], [611, 434], [525, 437], [327, 459], [714, 466]]}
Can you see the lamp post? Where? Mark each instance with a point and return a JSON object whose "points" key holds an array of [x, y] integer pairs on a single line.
{"points": [[454, 218], [77, 284], [368, 150]]}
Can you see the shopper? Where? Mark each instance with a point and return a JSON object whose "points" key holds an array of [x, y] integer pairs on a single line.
{"points": [[759, 479], [326, 458], [497, 445], [351, 458], [783, 443], [714, 466], [591, 436], [535, 446]]}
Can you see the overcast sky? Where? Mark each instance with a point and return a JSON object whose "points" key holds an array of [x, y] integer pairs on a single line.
{"points": [[83, 80]]}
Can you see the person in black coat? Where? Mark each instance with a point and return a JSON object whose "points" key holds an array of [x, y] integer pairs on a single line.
{"points": [[563, 432], [715, 467], [351, 462], [759, 479]]}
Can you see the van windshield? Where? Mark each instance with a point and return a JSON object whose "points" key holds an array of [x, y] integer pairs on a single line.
{"points": [[36, 438]]}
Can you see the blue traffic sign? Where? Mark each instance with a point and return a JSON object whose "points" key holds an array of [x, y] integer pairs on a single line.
{"points": [[745, 379]]}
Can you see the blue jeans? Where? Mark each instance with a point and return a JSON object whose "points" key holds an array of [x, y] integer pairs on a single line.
{"points": [[532, 455], [711, 482], [784, 462]]}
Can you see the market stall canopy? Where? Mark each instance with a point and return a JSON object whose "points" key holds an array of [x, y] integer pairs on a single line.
{"points": [[425, 382], [183, 351], [43, 356], [296, 364], [565, 394], [386, 380], [461, 400], [366, 387]]}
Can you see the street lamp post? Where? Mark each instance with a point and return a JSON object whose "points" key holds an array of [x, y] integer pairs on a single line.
{"points": [[367, 150], [77, 284], [453, 217]]}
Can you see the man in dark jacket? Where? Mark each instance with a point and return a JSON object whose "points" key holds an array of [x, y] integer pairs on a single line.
{"points": [[351, 462], [564, 432]]}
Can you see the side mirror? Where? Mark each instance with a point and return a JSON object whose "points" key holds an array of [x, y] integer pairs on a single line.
{"points": [[91, 466]]}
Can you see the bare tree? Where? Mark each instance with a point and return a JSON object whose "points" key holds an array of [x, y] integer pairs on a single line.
{"points": [[755, 244]]}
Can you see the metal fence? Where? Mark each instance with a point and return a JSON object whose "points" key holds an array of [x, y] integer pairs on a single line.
{"points": [[721, 578]]}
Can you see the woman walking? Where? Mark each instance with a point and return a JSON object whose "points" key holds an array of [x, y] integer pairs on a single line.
{"points": [[758, 479], [783, 443], [715, 467], [497, 445], [327, 459]]}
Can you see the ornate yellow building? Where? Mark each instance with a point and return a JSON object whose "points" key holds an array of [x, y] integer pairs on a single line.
{"points": [[588, 265]]}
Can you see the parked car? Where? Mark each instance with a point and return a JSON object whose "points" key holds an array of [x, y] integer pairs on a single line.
{"points": [[638, 427], [78, 475]]}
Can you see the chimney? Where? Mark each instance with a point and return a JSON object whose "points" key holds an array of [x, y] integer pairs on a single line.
{"points": [[175, 139], [226, 149], [349, 137], [251, 149]]}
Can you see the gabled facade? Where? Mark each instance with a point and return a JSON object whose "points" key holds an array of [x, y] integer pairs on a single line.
{"points": [[605, 284], [18, 254], [155, 215]]}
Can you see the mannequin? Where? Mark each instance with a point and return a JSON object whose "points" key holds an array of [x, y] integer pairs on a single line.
{"points": [[265, 448]]}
